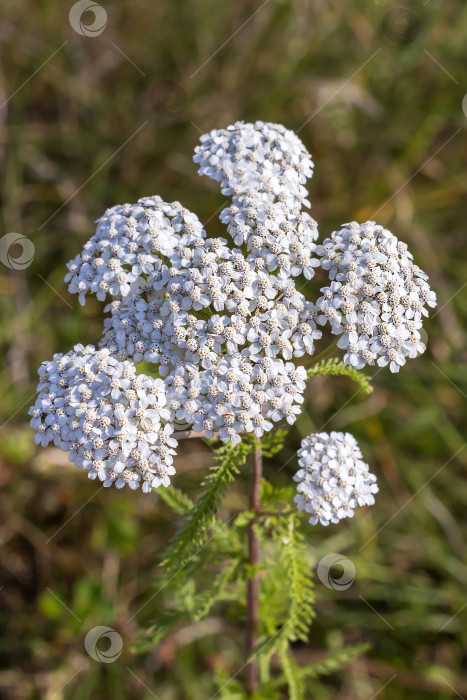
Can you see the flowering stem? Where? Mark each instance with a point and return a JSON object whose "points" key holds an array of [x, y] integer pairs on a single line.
{"points": [[251, 672]]}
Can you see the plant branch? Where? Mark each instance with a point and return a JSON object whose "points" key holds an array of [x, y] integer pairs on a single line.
{"points": [[251, 671]]}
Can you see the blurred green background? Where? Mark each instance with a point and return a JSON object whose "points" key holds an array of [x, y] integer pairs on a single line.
{"points": [[375, 91]]}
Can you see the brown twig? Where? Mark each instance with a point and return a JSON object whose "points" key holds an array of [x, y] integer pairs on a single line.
{"points": [[251, 671]]}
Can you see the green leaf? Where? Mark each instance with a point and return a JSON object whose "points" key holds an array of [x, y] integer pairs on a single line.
{"points": [[287, 598], [287, 621], [274, 496], [337, 367], [334, 662], [297, 568], [243, 519], [193, 534], [295, 676], [176, 499], [157, 631], [273, 442], [291, 675], [205, 601]]}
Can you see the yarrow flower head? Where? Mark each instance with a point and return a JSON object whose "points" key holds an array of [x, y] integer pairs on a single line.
{"points": [[377, 298], [130, 242], [221, 323], [264, 167], [333, 478], [111, 420]]}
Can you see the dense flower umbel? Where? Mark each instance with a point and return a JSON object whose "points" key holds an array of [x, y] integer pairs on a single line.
{"points": [[130, 241], [264, 168], [222, 324], [333, 478], [222, 333], [107, 417], [378, 297], [246, 157]]}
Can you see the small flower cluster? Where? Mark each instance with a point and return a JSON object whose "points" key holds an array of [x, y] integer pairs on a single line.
{"points": [[377, 298], [263, 167], [333, 478], [107, 417], [128, 245]]}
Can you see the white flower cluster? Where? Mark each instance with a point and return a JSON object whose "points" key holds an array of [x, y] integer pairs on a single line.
{"points": [[220, 326], [333, 478], [377, 298], [107, 417], [128, 245], [222, 334], [263, 167]]}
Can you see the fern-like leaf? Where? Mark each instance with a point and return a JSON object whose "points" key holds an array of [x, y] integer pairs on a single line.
{"points": [[332, 663], [291, 675], [217, 592], [298, 612], [273, 442], [297, 567], [275, 496], [176, 499], [192, 536], [336, 367], [157, 631]]}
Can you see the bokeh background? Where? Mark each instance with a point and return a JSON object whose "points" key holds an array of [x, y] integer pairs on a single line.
{"points": [[376, 91]]}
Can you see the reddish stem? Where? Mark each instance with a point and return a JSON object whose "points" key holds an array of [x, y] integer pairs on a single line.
{"points": [[251, 671]]}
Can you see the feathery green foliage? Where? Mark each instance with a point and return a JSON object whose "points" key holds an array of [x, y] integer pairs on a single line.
{"points": [[285, 584], [273, 442], [157, 631], [216, 593], [297, 568], [295, 676], [286, 592], [290, 668], [332, 663], [176, 499], [193, 535], [335, 367], [275, 496]]}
